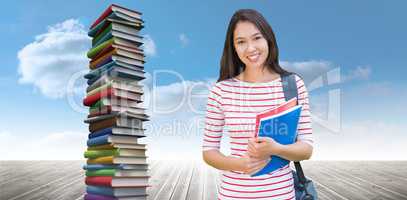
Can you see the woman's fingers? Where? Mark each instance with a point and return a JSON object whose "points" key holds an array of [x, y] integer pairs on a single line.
{"points": [[257, 166]]}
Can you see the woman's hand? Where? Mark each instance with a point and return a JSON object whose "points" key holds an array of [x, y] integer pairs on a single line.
{"points": [[250, 165], [263, 147]]}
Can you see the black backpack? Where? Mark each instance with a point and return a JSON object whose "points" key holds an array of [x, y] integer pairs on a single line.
{"points": [[304, 187]]}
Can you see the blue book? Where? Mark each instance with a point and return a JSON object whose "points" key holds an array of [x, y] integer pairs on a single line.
{"points": [[98, 71], [117, 192], [98, 140], [112, 139], [281, 125], [105, 131]]}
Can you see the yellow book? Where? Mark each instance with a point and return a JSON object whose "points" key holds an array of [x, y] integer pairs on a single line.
{"points": [[101, 147], [102, 160], [118, 160]]}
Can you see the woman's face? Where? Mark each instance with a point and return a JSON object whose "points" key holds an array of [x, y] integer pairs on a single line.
{"points": [[250, 45]]}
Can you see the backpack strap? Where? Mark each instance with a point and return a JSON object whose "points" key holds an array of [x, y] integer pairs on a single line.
{"points": [[290, 91]]}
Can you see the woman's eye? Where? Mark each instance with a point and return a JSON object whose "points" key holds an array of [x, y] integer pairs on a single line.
{"points": [[240, 42], [257, 38]]}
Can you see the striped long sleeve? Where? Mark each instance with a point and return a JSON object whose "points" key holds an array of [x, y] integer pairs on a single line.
{"points": [[305, 123], [214, 120]]}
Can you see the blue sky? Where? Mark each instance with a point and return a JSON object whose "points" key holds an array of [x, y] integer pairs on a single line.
{"points": [[364, 39]]}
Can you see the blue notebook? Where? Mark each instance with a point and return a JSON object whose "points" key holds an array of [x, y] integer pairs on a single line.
{"points": [[282, 127]]}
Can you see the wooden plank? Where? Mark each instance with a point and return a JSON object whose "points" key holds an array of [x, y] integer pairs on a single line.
{"points": [[168, 188], [22, 188], [211, 183], [373, 185], [164, 170], [195, 190], [184, 182], [59, 180]]}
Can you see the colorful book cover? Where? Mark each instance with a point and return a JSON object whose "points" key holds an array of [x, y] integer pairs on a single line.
{"points": [[281, 125]]}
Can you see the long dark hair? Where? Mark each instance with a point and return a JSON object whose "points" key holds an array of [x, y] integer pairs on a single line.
{"points": [[230, 63]]}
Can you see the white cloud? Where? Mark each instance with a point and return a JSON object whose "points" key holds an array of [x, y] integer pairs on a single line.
{"points": [[53, 57], [309, 70], [183, 39], [359, 72], [149, 46]]}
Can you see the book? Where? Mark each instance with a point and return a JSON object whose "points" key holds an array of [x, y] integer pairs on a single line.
{"points": [[118, 13], [103, 197], [104, 79], [114, 120], [109, 181], [97, 49], [107, 109], [135, 39], [129, 52], [117, 145], [122, 115], [117, 192], [117, 54], [115, 26], [279, 123], [111, 92], [115, 166], [95, 31], [111, 139], [139, 132], [117, 85], [114, 152], [117, 172], [116, 69], [117, 160]]}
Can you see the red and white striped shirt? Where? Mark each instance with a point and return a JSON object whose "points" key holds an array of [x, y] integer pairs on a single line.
{"points": [[231, 109]]}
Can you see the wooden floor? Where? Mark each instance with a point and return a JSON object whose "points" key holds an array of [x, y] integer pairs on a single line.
{"points": [[59, 180]]}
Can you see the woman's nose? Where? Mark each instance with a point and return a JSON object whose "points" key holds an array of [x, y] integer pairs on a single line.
{"points": [[250, 47]]}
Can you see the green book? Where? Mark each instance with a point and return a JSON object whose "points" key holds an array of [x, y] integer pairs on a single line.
{"points": [[100, 153], [102, 34], [96, 106], [95, 50], [102, 87], [101, 172]]}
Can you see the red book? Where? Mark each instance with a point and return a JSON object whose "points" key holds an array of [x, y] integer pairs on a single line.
{"points": [[284, 106], [89, 100], [99, 180], [110, 181], [109, 10]]}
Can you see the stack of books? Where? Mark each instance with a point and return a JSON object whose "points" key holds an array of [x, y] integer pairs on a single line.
{"points": [[116, 165]]}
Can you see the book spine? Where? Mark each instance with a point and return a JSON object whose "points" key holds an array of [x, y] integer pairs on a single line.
{"points": [[99, 166], [99, 190], [101, 147], [98, 197], [101, 172], [101, 61], [106, 37], [100, 69], [98, 140], [103, 16], [99, 89], [90, 100], [100, 153], [95, 50], [104, 51], [93, 127], [101, 112], [101, 160]]}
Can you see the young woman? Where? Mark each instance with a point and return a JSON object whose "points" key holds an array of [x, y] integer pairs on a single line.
{"points": [[249, 83]]}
